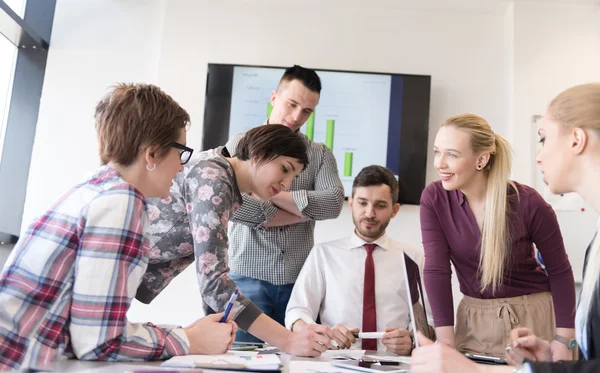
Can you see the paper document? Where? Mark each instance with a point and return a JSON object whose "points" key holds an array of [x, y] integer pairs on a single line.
{"points": [[313, 367], [233, 360], [343, 354]]}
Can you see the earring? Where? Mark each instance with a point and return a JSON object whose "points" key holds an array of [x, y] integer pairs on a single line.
{"points": [[153, 167], [478, 167]]}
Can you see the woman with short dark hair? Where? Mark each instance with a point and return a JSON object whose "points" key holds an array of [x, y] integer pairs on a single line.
{"points": [[191, 225]]}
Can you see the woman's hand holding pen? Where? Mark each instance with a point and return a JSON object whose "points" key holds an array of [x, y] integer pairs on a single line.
{"points": [[312, 340], [343, 336], [208, 336]]}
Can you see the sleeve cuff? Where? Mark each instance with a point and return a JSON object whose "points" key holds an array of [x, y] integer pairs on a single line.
{"points": [[177, 343], [300, 197], [248, 315], [294, 316], [144, 295], [269, 210], [442, 323]]}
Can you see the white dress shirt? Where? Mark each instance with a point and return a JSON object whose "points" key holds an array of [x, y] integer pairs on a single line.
{"points": [[331, 285]]}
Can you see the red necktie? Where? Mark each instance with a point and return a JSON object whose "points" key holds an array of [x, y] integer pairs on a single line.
{"points": [[369, 323]]}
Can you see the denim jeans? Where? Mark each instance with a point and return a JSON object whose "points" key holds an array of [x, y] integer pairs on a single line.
{"points": [[271, 299]]}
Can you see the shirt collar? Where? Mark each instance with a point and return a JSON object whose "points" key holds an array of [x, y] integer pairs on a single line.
{"points": [[357, 242], [460, 196]]}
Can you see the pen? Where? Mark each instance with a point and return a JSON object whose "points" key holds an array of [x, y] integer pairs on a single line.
{"points": [[229, 306], [369, 335]]}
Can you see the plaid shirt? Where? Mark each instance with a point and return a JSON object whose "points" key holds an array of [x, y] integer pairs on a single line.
{"points": [[277, 254], [69, 281]]}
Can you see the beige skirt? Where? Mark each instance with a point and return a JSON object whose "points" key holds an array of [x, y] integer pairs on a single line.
{"points": [[483, 325]]}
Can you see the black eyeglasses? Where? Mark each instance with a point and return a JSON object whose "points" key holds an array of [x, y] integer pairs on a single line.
{"points": [[185, 153]]}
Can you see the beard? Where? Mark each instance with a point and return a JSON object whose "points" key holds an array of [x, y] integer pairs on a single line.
{"points": [[374, 232]]}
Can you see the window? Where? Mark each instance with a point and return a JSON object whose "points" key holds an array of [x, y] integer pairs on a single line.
{"points": [[8, 54], [23, 52], [17, 6]]}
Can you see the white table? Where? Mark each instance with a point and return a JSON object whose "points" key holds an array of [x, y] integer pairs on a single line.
{"points": [[122, 367]]}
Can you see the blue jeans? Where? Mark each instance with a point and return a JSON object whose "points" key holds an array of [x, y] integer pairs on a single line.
{"points": [[271, 299]]}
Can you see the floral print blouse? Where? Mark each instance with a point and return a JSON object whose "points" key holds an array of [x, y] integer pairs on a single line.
{"points": [[191, 225]]}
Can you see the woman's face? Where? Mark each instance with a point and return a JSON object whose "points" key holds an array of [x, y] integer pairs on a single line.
{"points": [[454, 158], [161, 178], [274, 176], [555, 157]]}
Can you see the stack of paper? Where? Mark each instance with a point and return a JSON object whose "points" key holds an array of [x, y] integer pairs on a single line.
{"points": [[234, 361]]}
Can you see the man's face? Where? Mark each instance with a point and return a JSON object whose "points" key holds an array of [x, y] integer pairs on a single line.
{"points": [[372, 209], [292, 104]]}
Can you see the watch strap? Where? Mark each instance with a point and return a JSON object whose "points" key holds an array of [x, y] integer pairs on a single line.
{"points": [[570, 343]]}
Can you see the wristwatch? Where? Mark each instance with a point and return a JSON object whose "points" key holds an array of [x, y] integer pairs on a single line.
{"points": [[570, 343]]}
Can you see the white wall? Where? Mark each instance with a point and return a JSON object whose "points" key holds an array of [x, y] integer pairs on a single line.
{"points": [[355, 36], [557, 45], [94, 45], [466, 49]]}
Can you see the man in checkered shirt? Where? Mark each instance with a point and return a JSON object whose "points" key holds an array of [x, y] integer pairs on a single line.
{"points": [[270, 240]]}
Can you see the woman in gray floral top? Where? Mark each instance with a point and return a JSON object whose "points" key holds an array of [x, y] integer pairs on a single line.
{"points": [[191, 225]]}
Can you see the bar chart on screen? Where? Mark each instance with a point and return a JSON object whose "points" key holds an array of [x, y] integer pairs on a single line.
{"points": [[351, 119]]}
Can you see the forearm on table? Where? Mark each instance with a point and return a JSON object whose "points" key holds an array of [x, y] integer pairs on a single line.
{"points": [[270, 331]]}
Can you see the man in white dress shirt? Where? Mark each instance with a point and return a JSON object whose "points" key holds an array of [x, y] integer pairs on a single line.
{"points": [[337, 281]]}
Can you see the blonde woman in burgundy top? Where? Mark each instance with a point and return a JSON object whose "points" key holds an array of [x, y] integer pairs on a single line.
{"points": [[487, 226]]}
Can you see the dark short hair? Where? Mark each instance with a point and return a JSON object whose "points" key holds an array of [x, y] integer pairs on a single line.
{"points": [[270, 141], [308, 77], [376, 175], [132, 117]]}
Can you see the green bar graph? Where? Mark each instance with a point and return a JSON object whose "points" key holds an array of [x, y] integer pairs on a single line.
{"points": [[310, 127], [269, 109], [329, 133], [348, 164]]}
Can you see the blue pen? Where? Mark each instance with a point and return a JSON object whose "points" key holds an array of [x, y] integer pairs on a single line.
{"points": [[229, 306]]}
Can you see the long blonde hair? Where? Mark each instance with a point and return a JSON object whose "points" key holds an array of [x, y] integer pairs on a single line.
{"points": [[495, 235], [579, 106]]}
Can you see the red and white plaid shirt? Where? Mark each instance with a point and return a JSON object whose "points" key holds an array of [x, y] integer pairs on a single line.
{"points": [[68, 284]]}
